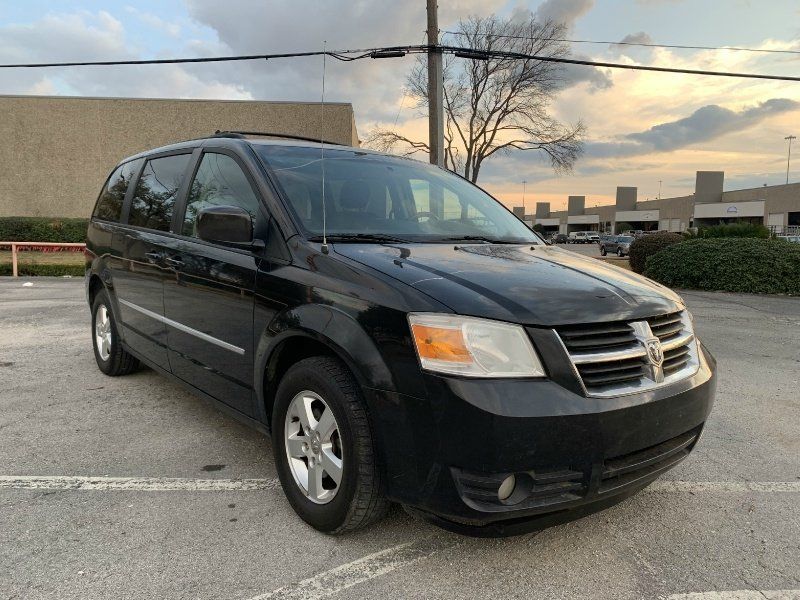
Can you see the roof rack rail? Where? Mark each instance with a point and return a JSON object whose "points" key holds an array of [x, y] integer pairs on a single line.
{"points": [[244, 134]]}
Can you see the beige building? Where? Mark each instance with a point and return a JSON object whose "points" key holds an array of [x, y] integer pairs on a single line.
{"points": [[57, 151], [776, 206]]}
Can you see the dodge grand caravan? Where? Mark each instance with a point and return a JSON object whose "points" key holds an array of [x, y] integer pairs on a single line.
{"points": [[399, 333]]}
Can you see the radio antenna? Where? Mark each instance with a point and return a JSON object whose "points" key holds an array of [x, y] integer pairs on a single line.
{"points": [[322, 151]]}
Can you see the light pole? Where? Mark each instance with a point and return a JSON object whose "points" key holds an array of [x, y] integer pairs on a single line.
{"points": [[659, 189], [789, 157], [524, 208]]}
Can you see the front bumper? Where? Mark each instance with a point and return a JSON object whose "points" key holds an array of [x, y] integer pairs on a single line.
{"points": [[446, 455]]}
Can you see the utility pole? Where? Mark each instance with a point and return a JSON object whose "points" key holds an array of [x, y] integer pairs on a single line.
{"points": [[789, 158], [435, 89], [659, 189]]}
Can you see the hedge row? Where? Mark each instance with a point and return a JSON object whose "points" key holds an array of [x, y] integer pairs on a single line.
{"points": [[750, 265], [42, 229], [647, 245], [43, 270], [739, 230]]}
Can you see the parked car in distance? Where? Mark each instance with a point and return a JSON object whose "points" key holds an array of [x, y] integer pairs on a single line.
{"points": [[578, 237], [633, 232], [396, 349], [592, 237], [559, 238], [617, 244]]}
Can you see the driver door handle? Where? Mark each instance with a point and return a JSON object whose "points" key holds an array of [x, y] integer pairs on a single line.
{"points": [[154, 257]]}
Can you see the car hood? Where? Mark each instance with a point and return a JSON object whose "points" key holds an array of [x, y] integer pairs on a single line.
{"points": [[535, 285]]}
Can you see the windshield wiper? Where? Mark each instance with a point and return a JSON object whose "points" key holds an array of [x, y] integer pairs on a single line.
{"points": [[359, 237], [479, 238]]}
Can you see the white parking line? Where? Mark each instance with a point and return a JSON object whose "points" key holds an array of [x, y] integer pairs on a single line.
{"points": [[369, 567], [167, 484], [739, 595], [138, 484], [792, 487]]}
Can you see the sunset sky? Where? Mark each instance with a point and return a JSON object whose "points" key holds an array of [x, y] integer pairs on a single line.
{"points": [[642, 127]]}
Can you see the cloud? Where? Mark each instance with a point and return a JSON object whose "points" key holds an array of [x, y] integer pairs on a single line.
{"points": [[704, 124], [563, 11], [373, 86], [87, 36], [595, 77], [637, 38], [155, 22], [640, 37]]}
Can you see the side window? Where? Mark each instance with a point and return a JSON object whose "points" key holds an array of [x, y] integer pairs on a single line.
{"points": [[421, 191], [109, 204], [452, 206], [220, 181], [156, 192]]}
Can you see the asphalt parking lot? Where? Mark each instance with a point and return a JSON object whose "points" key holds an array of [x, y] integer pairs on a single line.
{"points": [[132, 488], [586, 249]]}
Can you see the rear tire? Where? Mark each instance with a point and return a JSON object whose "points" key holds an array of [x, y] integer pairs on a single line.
{"points": [[111, 357], [602, 250], [324, 384], [620, 253]]}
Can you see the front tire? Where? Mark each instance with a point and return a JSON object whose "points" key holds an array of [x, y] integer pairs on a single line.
{"points": [[111, 357], [620, 253], [324, 449], [602, 250]]}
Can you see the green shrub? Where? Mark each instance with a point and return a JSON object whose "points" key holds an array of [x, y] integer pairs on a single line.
{"points": [[33, 269], [737, 230], [647, 245], [726, 264], [42, 229], [623, 227]]}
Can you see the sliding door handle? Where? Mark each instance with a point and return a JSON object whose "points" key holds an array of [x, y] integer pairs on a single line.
{"points": [[173, 261]]}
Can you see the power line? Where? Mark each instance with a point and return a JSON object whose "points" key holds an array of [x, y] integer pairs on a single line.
{"points": [[399, 51], [645, 44], [343, 55], [477, 54]]}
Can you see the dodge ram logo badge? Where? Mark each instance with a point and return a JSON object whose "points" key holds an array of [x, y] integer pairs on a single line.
{"points": [[654, 352]]}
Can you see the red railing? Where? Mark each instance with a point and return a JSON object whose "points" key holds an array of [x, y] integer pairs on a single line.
{"points": [[15, 247]]}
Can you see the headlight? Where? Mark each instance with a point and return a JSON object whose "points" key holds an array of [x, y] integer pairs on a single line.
{"points": [[473, 347]]}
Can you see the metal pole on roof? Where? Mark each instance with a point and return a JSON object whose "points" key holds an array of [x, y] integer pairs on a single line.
{"points": [[789, 158], [435, 88]]}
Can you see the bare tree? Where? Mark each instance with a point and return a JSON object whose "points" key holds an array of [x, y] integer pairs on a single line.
{"points": [[496, 105]]}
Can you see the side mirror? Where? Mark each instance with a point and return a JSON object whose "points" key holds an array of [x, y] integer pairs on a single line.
{"points": [[225, 225]]}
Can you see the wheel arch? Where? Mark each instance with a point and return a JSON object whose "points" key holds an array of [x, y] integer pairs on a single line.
{"points": [[314, 330]]}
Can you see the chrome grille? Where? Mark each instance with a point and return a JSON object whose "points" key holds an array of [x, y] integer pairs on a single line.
{"points": [[621, 357]]}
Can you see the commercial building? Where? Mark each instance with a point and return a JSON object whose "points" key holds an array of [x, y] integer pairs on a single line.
{"points": [[57, 151], [777, 207]]}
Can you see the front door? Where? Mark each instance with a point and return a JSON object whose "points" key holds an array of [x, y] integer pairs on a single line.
{"points": [[141, 244], [208, 300]]}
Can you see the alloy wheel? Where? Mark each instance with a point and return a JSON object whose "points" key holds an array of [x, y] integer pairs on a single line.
{"points": [[102, 332], [313, 447]]}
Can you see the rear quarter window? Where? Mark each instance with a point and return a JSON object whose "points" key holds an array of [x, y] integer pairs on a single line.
{"points": [[157, 190], [112, 196]]}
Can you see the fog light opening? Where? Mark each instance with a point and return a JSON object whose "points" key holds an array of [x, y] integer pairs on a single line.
{"points": [[506, 488]]}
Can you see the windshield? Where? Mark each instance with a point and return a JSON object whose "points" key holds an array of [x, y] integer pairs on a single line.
{"points": [[373, 195]]}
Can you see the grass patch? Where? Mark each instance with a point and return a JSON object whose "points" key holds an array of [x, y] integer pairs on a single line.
{"points": [[47, 264]]}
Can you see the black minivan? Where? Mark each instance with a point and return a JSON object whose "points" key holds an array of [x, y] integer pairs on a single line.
{"points": [[400, 334]]}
